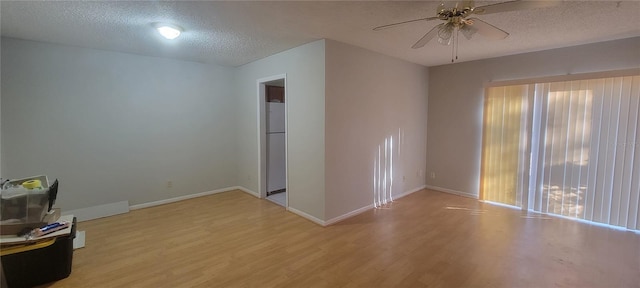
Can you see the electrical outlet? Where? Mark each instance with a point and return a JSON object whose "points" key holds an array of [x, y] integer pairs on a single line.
{"points": [[169, 184], [404, 178], [420, 173], [433, 175]]}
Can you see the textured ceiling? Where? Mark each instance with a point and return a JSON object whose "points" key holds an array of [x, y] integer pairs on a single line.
{"points": [[233, 33]]}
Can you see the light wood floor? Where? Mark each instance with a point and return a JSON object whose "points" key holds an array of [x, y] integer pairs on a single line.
{"points": [[235, 240]]}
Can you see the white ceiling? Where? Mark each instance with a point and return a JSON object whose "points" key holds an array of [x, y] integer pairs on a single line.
{"points": [[233, 33]]}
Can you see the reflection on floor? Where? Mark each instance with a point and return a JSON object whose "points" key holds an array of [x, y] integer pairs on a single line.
{"points": [[279, 198]]}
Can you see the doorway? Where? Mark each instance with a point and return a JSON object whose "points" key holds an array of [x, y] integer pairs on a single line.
{"points": [[273, 139]]}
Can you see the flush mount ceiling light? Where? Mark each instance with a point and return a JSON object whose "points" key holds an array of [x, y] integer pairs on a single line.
{"points": [[168, 31]]}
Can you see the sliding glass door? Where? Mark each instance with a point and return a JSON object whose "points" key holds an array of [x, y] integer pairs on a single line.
{"points": [[579, 157]]}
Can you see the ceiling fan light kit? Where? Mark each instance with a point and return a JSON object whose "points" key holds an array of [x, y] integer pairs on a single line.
{"points": [[456, 21]]}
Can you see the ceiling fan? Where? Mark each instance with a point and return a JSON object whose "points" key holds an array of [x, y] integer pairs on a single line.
{"points": [[456, 19]]}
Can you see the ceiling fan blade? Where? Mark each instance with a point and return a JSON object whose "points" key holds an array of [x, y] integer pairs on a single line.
{"points": [[468, 31], [403, 22], [427, 37], [513, 6], [487, 30], [467, 4]]}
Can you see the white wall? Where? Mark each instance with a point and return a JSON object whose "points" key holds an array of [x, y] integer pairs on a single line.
{"points": [[369, 98], [113, 126], [305, 95], [456, 101], [1, 162]]}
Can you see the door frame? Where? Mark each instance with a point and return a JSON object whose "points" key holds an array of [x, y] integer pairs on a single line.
{"points": [[262, 134]]}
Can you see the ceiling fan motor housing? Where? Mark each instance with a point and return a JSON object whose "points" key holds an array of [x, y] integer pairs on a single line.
{"points": [[447, 14]]}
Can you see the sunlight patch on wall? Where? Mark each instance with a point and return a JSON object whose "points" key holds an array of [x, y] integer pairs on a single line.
{"points": [[383, 173]]}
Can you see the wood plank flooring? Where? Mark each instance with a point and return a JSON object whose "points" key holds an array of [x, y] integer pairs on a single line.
{"points": [[233, 239]]}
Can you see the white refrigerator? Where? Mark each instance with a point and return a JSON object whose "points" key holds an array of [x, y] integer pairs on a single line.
{"points": [[276, 158]]}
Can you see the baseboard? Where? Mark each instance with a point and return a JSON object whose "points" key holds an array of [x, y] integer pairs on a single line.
{"points": [[450, 191], [366, 208], [306, 216], [106, 210], [111, 209], [406, 193], [348, 215], [255, 194], [100, 211], [185, 197]]}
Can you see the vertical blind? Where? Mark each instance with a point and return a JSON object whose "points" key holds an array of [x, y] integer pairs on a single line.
{"points": [[580, 152], [504, 144]]}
